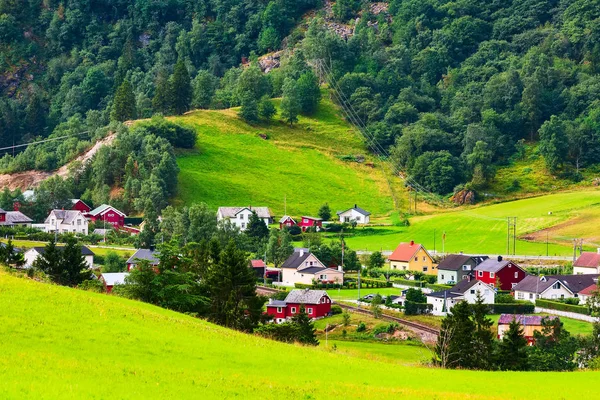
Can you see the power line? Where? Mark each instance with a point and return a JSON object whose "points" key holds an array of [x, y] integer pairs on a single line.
{"points": [[11, 148]]}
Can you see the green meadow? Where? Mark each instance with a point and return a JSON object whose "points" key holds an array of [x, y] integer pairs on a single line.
{"points": [[233, 165], [63, 343]]}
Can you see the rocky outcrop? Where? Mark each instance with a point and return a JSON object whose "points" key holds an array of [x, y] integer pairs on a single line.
{"points": [[464, 197]]}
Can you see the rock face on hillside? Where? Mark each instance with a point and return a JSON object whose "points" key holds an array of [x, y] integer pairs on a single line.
{"points": [[464, 197]]}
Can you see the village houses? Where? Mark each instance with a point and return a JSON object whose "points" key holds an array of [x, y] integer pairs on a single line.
{"points": [[65, 221], [456, 267], [529, 323], [554, 287], [412, 257], [107, 214], [14, 218], [151, 256], [240, 216], [33, 253], [587, 263], [465, 290], [111, 279]]}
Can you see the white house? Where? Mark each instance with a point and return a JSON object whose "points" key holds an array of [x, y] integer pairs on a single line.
{"points": [[553, 287], [240, 216], [33, 253], [304, 267], [65, 221], [354, 214], [587, 263], [464, 290]]}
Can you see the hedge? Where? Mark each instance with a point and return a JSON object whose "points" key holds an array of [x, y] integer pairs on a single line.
{"points": [[512, 308], [412, 308], [555, 305], [437, 287], [407, 282], [302, 286]]}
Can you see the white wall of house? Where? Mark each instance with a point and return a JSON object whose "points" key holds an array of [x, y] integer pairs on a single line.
{"points": [[585, 270], [486, 291], [438, 304], [241, 219], [78, 225], [353, 215], [554, 292], [290, 276], [445, 276]]}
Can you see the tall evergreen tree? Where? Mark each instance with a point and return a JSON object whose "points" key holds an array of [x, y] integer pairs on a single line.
{"points": [[454, 348], [161, 102], [290, 102], [72, 265], [49, 261], [181, 88], [279, 246], [483, 338], [124, 103], [512, 349], [256, 229], [305, 328]]}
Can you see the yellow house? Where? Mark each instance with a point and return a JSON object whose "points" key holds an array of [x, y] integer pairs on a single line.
{"points": [[412, 257]]}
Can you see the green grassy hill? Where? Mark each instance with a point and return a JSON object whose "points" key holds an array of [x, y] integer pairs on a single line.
{"points": [[64, 343], [233, 166], [483, 229]]}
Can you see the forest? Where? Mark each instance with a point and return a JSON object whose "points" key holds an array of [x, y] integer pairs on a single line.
{"points": [[449, 90]]}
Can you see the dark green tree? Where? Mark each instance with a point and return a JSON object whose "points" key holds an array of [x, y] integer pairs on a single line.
{"points": [[309, 93], [49, 261], [512, 349], [124, 103], [113, 263], [306, 329], [290, 102], [376, 260], [483, 337], [256, 229], [279, 246], [416, 296], [72, 268], [554, 143], [455, 341], [266, 109], [249, 108], [161, 102], [181, 88], [554, 348], [325, 212]]}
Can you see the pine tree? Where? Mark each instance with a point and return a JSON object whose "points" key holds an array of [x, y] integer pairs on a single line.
{"points": [[49, 261], [124, 103], [305, 327], [161, 102], [181, 88], [483, 338], [72, 265], [257, 228], [454, 348], [512, 350], [325, 212], [147, 236], [290, 103]]}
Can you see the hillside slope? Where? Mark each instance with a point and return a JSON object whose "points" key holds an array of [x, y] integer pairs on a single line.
{"points": [[63, 343], [234, 165]]}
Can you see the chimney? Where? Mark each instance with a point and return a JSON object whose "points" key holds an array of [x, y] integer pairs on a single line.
{"points": [[355, 206], [16, 206], [412, 242], [499, 258], [301, 252], [598, 250], [270, 300], [340, 268]]}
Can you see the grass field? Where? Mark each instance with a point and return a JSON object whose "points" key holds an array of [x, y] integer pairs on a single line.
{"points": [[68, 344], [484, 229], [232, 165]]}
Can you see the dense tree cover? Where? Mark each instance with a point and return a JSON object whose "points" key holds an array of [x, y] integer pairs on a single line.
{"points": [[450, 88], [63, 265], [10, 257]]}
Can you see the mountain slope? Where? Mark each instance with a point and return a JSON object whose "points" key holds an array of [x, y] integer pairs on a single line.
{"points": [[63, 343]]}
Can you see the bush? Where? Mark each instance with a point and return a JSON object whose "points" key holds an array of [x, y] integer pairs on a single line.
{"points": [[437, 287], [177, 135], [91, 285], [361, 327], [412, 308], [514, 308], [335, 309], [555, 305], [505, 299], [302, 286]]}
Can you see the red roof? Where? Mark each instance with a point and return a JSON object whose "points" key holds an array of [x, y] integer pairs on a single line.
{"points": [[405, 251], [258, 263], [590, 290], [588, 259]]}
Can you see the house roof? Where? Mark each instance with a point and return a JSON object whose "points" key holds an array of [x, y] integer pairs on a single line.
{"points": [[454, 262], [458, 290], [15, 217], [143, 254], [84, 250], [276, 303], [535, 284], [313, 218], [231, 212], [285, 218], [296, 259], [99, 231], [104, 208], [114, 278], [67, 216], [357, 209], [576, 283], [2, 211], [258, 264], [313, 270], [449, 294], [588, 259], [525, 320], [590, 290], [305, 296], [75, 201], [405, 251], [492, 265]]}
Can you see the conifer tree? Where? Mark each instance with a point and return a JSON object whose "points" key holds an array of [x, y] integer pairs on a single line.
{"points": [[161, 102], [512, 350], [124, 103], [325, 212], [181, 88], [483, 338], [257, 228], [455, 342], [305, 327], [290, 103], [49, 261], [72, 265]]}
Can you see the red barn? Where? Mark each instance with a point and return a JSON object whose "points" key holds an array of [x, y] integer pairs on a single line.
{"points": [[113, 278], [317, 304], [286, 220], [79, 205], [506, 272], [307, 222], [108, 214], [2, 215]]}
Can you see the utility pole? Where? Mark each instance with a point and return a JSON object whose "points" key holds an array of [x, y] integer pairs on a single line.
{"points": [[434, 240], [577, 243], [511, 224], [546, 243]]}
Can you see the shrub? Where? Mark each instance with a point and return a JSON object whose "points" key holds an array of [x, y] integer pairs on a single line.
{"points": [[335, 309], [91, 285], [514, 308], [555, 305], [412, 308], [302, 286], [505, 299], [361, 327], [346, 318]]}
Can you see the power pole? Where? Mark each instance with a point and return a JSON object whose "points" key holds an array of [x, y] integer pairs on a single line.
{"points": [[511, 223]]}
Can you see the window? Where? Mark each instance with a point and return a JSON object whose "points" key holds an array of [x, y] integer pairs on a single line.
{"points": [[562, 296], [309, 311], [424, 269], [516, 275], [78, 222], [323, 277], [479, 273], [416, 258], [241, 216], [492, 275], [472, 291], [278, 309], [293, 310], [423, 258], [520, 295], [310, 263], [556, 286], [243, 225], [466, 267], [530, 296], [346, 219], [442, 277]]}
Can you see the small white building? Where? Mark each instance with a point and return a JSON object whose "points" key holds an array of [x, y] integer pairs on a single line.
{"points": [[240, 216], [354, 214], [464, 290], [65, 221], [111, 279], [587, 263], [33, 253], [304, 267]]}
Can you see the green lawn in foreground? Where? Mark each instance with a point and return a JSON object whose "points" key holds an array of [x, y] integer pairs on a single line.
{"points": [[64, 343], [396, 353], [484, 229], [234, 166]]}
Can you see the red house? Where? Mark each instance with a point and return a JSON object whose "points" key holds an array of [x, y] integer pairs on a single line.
{"points": [[317, 304], [2, 215], [113, 278], [286, 221], [108, 214], [506, 272], [307, 222], [79, 205]]}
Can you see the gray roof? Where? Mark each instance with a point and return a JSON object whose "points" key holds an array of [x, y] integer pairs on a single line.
{"points": [[457, 290], [492, 265], [576, 283], [295, 260], [312, 270], [2, 211], [449, 294], [67, 216], [534, 284], [525, 320], [276, 303], [231, 212], [16, 217], [114, 278], [103, 208], [143, 254], [284, 218], [305, 296], [454, 262], [573, 283], [100, 231], [357, 209], [85, 251]]}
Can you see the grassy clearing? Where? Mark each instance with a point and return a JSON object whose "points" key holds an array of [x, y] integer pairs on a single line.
{"points": [[233, 165], [69, 344], [483, 229], [352, 294], [393, 353]]}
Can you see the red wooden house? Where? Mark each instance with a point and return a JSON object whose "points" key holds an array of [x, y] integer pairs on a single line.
{"points": [[307, 222], [317, 304], [505, 272], [286, 221], [79, 205], [108, 214]]}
